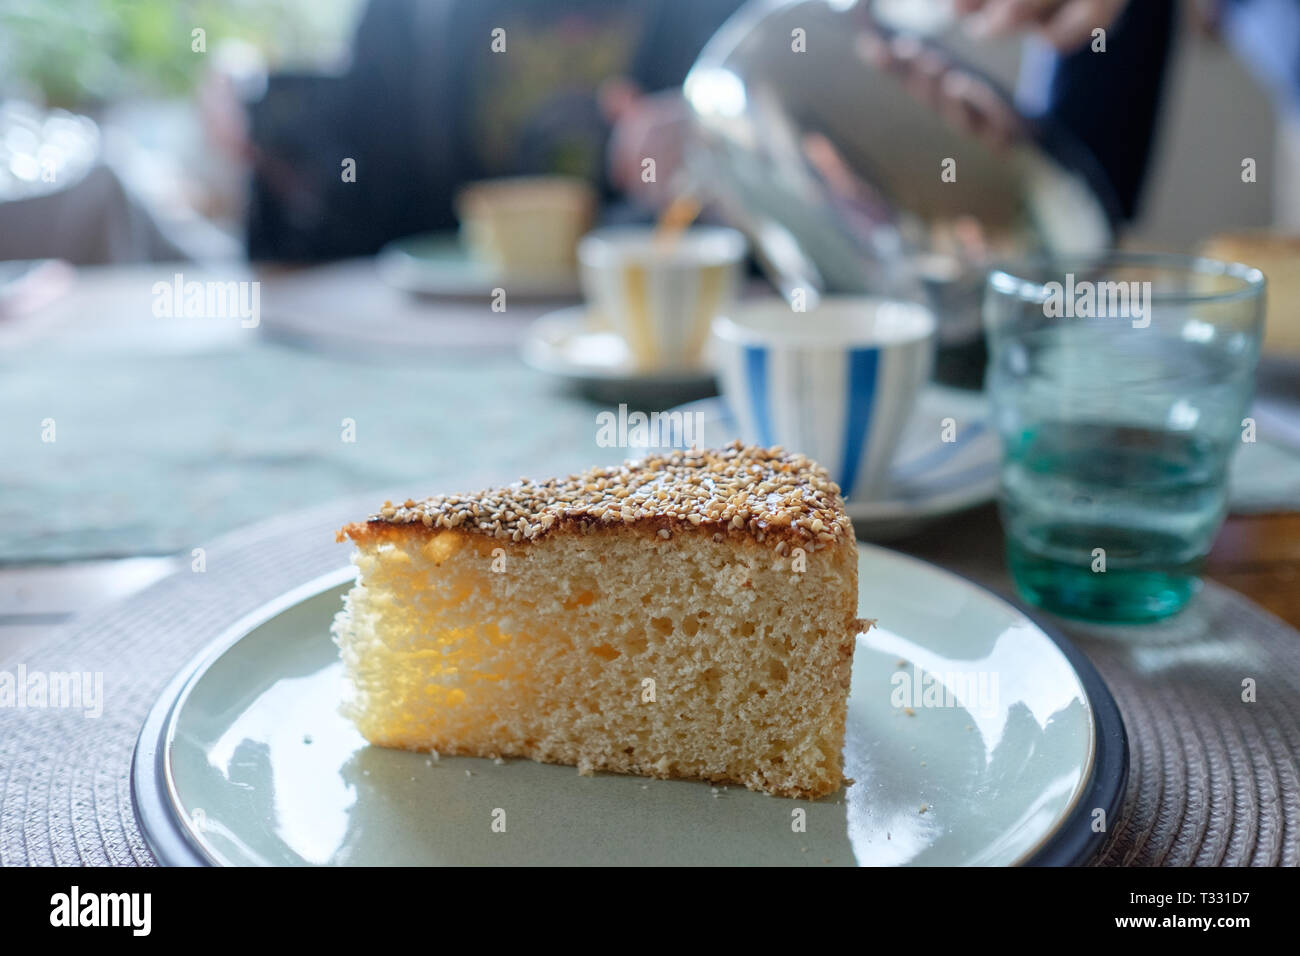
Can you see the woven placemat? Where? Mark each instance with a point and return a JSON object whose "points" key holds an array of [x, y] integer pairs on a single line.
{"points": [[1214, 780], [1211, 703]]}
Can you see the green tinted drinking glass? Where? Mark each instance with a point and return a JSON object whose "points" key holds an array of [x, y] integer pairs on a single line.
{"points": [[1120, 386]]}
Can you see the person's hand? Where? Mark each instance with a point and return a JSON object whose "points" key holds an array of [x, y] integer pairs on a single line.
{"points": [[236, 73], [1065, 24], [645, 127], [965, 100]]}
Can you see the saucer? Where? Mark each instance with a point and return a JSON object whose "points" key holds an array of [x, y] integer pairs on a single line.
{"points": [[437, 264], [570, 344]]}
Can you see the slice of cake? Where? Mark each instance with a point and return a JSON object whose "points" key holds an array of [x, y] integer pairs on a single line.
{"points": [[691, 615]]}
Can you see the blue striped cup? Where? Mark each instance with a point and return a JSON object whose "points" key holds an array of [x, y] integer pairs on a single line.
{"points": [[836, 383]]}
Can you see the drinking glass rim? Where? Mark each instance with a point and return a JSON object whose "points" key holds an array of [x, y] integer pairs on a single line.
{"points": [[1006, 278]]}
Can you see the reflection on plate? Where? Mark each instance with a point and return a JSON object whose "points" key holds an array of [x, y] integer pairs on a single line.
{"points": [[974, 737], [931, 477], [438, 265]]}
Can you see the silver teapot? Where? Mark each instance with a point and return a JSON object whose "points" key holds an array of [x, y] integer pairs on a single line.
{"points": [[861, 156]]}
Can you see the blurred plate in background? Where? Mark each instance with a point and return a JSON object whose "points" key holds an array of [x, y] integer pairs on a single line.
{"points": [[439, 265], [574, 347]]}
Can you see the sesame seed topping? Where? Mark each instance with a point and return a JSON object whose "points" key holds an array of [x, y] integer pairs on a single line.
{"points": [[735, 490]]}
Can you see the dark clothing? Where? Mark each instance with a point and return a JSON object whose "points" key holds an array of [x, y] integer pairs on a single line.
{"points": [[1108, 101], [1111, 101], [427, 106]]}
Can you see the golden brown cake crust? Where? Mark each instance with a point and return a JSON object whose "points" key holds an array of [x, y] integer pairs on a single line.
{"points": [[741, 491]]}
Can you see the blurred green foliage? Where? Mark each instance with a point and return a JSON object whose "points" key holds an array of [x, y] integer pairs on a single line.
{"points": [[79, 53]]}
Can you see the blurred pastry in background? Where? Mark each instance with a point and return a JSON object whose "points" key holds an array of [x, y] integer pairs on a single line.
{"points": [[1278, 256], [526, 224]]}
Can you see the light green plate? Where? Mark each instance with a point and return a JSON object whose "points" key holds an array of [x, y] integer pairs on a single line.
{"points": [[437, 264], [246, 760]]}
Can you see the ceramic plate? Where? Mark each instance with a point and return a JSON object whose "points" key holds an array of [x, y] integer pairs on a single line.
{"points": [[245, 759], [930, 478], [437, 264]]}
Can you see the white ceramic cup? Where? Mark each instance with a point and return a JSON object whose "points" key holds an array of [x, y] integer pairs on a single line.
{"points": [[836, 383], [660, 294]]}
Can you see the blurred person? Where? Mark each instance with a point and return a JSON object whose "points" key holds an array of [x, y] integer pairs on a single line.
{"points": [[1111, 102], [429, 104], [592, 86], [1062, 81]]}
